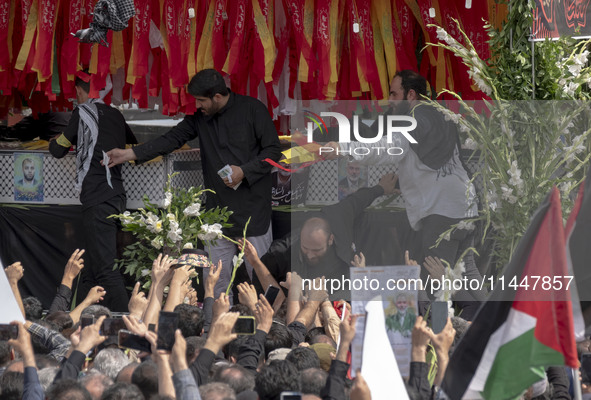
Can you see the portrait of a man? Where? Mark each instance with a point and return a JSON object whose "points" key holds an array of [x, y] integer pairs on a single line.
{"points": [[352, 176], [28, 177]]}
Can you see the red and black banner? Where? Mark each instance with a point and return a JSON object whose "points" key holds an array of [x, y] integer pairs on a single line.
{"points": [[553, 18]]}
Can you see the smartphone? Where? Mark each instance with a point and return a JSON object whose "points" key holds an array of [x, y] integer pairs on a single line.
{"points": [[112, 326], [8, 332], [271, 294], [86, 320], [438, 316], [586, 368], [245, 325], [290, 396], [130, 340], [152, 327], [168, 322]]}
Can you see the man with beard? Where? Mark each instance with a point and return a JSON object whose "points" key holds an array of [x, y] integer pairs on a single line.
{"points": [[433, 180], [353, 181], [324, 246]]}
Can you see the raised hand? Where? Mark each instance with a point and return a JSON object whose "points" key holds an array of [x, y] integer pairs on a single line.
{"points": [[421, 335], [247, 295], [408, 260], [435, 267], [388, 183], [360, 389], [358, 261], [23, 345], [263, 314], [14, 272], [220, 333], [90, 336], [134, 325], [161, 271], [73, 267], [179, 350], [250, 252], [138, 302], [220, 306], [95, 295], [212, 278]]}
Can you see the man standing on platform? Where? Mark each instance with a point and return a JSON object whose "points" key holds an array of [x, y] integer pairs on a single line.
{"points": [[234, 131], [95, 128]]}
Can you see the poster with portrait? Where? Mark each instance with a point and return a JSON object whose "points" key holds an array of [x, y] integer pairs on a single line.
{"points": [[352, 176], [28, 177], [397, 287]]}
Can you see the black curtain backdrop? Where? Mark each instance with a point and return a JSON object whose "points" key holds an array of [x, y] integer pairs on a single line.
{"points": [[42, 238]]}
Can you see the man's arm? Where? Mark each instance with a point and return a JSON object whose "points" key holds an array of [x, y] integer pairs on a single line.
{"points": [[173, 139], [63, 298], [32, 389], [60, 146], [14, 272], [266, 136], [334, 389], [94, 295]]}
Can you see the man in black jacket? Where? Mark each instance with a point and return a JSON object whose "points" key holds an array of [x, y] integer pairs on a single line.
{"points": [[95, 128], [235, 131]]}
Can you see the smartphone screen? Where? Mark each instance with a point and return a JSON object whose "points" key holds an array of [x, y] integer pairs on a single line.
{"points": [[168, 322], [271, 294], [112, 326], [291, 396], [438, 316], [86, 320], [130, 340], [8, 332], [245, 326]]}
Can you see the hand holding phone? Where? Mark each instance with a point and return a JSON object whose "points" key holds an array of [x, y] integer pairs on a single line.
{"points": [[271, 294], [130, 340], [245, 325], [168, 322], [8, 332], [112, 326]]}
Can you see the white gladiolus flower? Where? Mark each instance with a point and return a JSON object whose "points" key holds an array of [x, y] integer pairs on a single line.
{"points": [[157, 243], [210, 232], [470, 144], [236, 261], [175, 232], [508, 194], [575, 70], [192, 210], [145, 272], [581, 59], [167, 199], [188, 245], [171, 217], [466, 225]]}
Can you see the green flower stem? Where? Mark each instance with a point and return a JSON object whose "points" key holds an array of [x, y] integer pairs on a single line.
{"points": [[240, 256]]}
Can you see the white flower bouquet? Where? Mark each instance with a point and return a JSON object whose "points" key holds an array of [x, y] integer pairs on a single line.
{"points": [[178, 223]]}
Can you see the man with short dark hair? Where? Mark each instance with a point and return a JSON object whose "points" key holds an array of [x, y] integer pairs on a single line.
{"points": [[95, 128], [277, 377], [234, 131], [67, 389]]}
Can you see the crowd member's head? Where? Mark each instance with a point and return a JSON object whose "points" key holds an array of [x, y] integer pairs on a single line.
{"points": [[312, 380], [242, 309], [407, 87], [33, 309], [125, 374], [145, 377], [278, 337], [110, 362], [15, 366], [275, 378], [62, 320], [11, 385], [123, 391], [315, 239], [46, 376], [194, 346], [67, 389], [232, 349], [236, 376], [190, 319], [210, 91], [584, 346], [312, 333], [96, 311], [45, 361], [323, 351], [303, 358], [217, 391], [96, 383], [323, 339]]}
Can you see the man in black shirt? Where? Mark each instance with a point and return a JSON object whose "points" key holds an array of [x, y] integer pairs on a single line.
{"points": [[233, 130], [94, 128]]}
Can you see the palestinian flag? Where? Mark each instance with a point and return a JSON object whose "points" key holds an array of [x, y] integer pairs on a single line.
{"points": [[520, 330], [578, 253]]}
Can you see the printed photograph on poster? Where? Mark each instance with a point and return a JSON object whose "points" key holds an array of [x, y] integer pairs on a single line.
{"points": [[28, 177], [352, 176], [400, 310]]}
